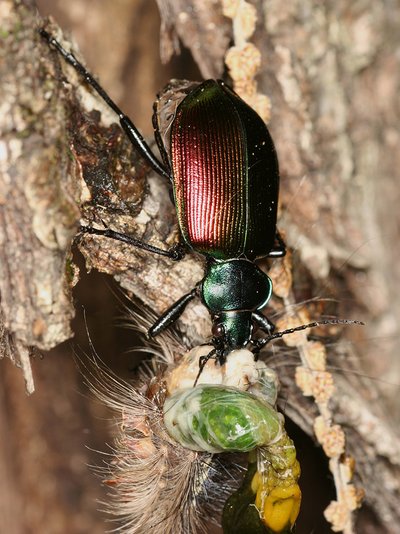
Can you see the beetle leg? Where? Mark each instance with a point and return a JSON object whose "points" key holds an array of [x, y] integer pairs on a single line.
{"points": [[127, 125], [279, 249], [176, 253], [221, 355], [172, 314], [263, 322]]}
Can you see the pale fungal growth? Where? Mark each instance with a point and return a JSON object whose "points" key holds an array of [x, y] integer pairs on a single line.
{"points": [[314, 380], [337, 514], [244, 16], [229, 8], [243, 62], [354, 496], [291, 321], [317, 384], [244, 59], [331, 437], [323, 386], [316, 355], [304, 380]]}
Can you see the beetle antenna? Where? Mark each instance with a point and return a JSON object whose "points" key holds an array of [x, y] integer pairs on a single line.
{"points": [[260, 343]]}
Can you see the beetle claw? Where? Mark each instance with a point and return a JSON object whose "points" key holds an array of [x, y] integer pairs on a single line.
{"points": [[177, 252]]}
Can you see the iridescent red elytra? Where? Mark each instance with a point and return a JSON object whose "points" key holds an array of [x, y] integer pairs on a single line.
{"points": [[221, 161], [225, 174]]}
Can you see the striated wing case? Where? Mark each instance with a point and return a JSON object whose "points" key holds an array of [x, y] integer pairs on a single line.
{"points": [[225, 174]]}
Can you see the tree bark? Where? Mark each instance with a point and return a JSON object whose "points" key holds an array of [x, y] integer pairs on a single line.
{"points": [[332, 74]]}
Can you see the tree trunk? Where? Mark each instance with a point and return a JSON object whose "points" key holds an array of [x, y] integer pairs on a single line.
{"points": [[331, 72]]}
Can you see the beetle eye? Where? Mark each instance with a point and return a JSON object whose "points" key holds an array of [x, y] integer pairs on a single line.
{"points": [[218, 330]]}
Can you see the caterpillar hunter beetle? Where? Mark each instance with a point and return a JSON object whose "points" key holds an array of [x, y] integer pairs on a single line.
{"points": [[223, 167]]}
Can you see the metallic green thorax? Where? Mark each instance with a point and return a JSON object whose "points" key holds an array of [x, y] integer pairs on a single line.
{"points": [[232, 290], [235, 285]]}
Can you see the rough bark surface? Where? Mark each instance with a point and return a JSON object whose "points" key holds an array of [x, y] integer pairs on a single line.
{"points": [[38, 207], [333, 76], [201, 27]]}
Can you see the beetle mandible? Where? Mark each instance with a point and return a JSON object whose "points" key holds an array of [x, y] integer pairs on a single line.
{"points": [[223, 167]]}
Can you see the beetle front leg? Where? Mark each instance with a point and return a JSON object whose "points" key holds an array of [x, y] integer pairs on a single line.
{"points": [[172, 314], [263, 322]]}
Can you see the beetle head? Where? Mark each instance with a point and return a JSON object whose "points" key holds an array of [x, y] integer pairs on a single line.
{"points": [[232, 330]]}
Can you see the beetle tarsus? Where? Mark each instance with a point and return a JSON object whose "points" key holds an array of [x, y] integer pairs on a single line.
{"points": [[129, 240], [177, 252]]}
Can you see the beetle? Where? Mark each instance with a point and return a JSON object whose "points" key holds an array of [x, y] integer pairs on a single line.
{"points": [[222, 164]]}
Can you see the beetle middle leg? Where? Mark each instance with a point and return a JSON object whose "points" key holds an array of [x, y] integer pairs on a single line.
{"points": [[176, 253]]}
